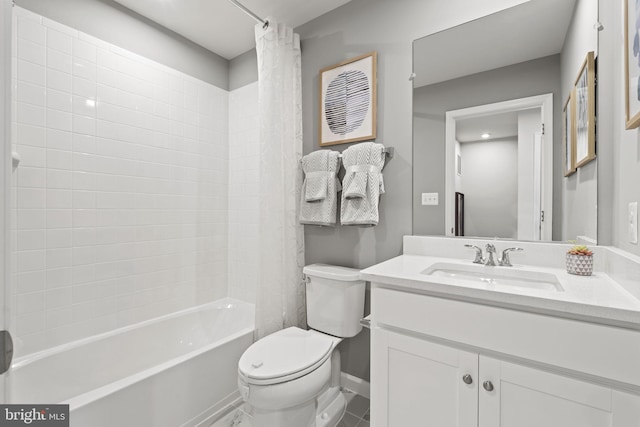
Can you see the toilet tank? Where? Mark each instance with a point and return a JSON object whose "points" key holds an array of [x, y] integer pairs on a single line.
{"points": [[335, 299]]}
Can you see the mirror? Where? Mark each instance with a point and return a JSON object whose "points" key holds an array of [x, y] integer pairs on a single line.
{"points": [[488, 104]]}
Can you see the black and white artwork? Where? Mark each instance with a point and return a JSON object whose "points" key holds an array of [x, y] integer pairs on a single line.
{"points": [[348, 101]]}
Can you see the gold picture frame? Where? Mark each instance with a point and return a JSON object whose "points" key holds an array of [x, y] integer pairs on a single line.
{"points": [[347, 98], [631, 69], [584, 93], [569, 136]]}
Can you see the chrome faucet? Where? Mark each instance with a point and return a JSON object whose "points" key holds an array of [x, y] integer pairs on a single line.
{"points": [[479, 258], [504, 259], [489, 261], [490, 251]]}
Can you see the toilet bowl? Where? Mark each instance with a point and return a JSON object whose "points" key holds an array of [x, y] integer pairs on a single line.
{"points": [[291, 378]]}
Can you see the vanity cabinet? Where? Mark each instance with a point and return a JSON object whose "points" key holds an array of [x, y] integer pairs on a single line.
{"points": [[438, 362]]}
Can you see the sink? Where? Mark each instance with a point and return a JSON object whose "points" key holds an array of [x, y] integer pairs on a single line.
{"points": [[497, 276]]}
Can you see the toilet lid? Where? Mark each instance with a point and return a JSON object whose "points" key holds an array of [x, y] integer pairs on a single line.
{"points": [[283, 354]]}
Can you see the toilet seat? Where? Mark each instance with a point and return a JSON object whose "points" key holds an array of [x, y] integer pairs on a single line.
{"points": [[284, 356]]}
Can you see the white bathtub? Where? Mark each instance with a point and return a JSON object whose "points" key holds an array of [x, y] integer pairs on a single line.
{"points": [[175, 370]]}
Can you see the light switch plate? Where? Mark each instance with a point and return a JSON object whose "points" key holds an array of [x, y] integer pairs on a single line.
{"points": [[633, 222], [429, 199]]}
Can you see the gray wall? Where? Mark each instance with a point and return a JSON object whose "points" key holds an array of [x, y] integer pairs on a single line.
{"points": [[389, 28], [430, 104], [580, 192], [243, 69], [111, 22], [490, 182], [618, 148]]}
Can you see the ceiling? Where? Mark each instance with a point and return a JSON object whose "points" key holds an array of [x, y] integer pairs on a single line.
{"points": [[221, 27], [502, 125], [530, 30]]}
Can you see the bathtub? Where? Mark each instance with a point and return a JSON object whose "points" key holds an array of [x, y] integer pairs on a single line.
{"points": [[175, 370]]}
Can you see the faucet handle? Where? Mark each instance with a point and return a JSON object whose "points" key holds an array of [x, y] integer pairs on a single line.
{"points": [[479, 258], [504, 259]]}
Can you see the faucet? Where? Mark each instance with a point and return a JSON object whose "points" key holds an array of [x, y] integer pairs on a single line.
{"points": [[490, 251], [504, 259], [479, 258]]}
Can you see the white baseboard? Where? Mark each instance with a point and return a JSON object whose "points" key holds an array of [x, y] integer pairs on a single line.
{"points": [[355, 384]]}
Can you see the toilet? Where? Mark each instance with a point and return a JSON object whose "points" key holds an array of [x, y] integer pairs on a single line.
{"points": [[291, 378]]}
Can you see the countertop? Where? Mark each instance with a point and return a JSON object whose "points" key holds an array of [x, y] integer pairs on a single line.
{"points": [[597, 298]]}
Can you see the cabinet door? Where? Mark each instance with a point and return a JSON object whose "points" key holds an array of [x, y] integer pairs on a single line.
{"points": [[527, 397], [419, 383]]}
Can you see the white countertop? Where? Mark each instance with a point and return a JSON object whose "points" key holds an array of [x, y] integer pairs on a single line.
{"points": [[597, 298]]}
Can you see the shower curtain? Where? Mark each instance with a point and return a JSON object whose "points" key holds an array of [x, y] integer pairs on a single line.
{"points": [[280, 294]]}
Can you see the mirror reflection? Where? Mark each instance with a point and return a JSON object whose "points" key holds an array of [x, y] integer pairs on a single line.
{"points": [[488, 99]]}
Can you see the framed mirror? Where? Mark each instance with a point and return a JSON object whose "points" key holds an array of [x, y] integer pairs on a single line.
{"points": [[488, 120]]}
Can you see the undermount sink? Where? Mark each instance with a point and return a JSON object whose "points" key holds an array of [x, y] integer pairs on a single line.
{"points": [[498, 276]]}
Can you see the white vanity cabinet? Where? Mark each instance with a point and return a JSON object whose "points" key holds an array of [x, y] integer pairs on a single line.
{"points": [[445, 363]]}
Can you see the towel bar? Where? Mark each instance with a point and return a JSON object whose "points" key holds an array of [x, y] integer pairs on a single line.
{"points": [[388, 151]]}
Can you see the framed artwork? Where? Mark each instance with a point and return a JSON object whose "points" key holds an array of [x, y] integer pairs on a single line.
{"points": [[584, 93], [348, 101], [632, 64], [569, 135]]}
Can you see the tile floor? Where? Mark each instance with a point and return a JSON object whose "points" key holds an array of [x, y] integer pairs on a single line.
{"points": [[357, 414]]}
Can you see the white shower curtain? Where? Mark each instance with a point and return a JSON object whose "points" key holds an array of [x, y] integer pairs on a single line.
{"points": [[280, 294]]}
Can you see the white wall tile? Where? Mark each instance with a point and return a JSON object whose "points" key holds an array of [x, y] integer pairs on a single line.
{"points": [[58, 40], [31, 281], [32, 177], [124, 169], [59, 81], [29, 219], [29, 114], [59, 238], [60, 159], [30, 135], [58, 218], [84, 50], [32, 31], [84, 69], [59, 61], [59, 120], [59, 100], [31, 94]]}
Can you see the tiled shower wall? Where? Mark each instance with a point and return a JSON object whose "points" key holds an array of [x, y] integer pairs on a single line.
{"points": [[120, 200], [243, 192]]}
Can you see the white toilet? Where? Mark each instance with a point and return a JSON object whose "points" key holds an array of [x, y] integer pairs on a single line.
{"points": [[291, 378]]}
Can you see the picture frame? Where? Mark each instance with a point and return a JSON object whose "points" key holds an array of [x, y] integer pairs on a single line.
{"points": [[347, 101], [569, 136], [631, 66], [585, 112]]}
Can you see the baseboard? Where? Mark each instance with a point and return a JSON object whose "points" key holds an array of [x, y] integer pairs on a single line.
{"points": [[355, 384]]}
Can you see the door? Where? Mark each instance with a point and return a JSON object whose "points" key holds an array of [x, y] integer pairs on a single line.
{"points": [[420, 383], [516, 396]]}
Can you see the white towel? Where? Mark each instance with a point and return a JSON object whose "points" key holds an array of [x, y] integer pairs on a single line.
{"points": [[362, 183], [319, 201]]}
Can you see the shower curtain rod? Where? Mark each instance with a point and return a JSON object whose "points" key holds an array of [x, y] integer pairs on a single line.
{"points": [[240, 6]]}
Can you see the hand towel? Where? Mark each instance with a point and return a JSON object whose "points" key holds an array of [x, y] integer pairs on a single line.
{"points": [[362, 184], [319, 201]]}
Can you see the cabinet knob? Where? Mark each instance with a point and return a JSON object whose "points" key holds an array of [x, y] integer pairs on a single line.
{"points": [[488, 385], [467, 379]]}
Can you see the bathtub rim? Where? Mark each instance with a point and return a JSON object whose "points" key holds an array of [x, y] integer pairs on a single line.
{"points": [[26, 360]]}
